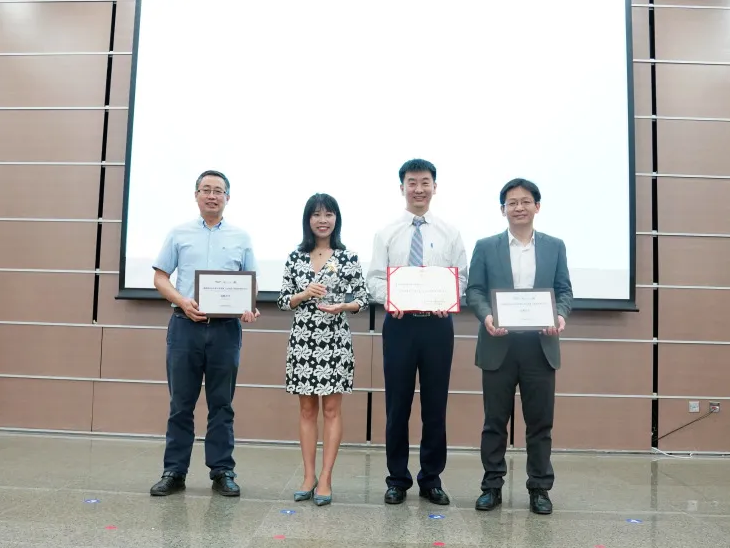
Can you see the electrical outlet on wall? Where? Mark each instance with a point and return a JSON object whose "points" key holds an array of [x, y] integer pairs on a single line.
{"points": [[694, 407], [714, 407]]}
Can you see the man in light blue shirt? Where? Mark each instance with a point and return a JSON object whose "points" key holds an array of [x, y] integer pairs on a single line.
{"points": [[198, 346]]}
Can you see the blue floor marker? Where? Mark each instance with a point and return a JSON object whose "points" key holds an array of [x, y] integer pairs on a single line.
{"points": [[630, 520], [288, 512], [92, 501], [436, 516]]}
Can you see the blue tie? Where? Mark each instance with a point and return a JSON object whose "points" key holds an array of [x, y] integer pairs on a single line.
{"points": [[416, 256]]}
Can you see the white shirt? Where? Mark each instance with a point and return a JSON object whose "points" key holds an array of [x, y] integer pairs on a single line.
{"points": [[522, 258], [442, 246]]}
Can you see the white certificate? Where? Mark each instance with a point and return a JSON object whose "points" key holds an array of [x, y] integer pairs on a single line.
{"points": [[423, 289], [526, 310], [225, 293]]}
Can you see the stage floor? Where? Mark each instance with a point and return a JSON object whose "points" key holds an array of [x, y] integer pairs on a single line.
{"points": [[64, 492]]}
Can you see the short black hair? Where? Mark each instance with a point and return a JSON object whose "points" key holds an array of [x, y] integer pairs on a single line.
{"points": [[516, 183], [416, 165], [213, 173], [328, 203]]}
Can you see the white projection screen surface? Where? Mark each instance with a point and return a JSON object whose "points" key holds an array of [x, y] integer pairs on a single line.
{"points": [[294, 97]]}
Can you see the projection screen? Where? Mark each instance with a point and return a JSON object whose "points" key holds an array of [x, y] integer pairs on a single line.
{"points": [[294, 97]]}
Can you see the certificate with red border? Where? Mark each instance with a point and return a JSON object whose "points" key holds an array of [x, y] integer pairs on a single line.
{"points": [[423, 289]]}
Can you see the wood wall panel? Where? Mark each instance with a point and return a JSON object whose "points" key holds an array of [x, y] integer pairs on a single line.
{"points": [[116, 147], [693, 90], [59, 81], [692, 34], [57, 246], [694, 206], [693, 315], [46, 297], [694, 261], [693, 148], [124, 28], [694, 370], [596, 423], [46, 404], [55, 26], [114, 193], [51, 136], [50, 192], [50, 350]]}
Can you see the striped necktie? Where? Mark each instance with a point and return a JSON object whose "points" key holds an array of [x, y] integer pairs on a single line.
{"points": [[416, 256]]}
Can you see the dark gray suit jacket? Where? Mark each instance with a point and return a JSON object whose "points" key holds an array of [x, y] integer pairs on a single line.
{"points": [[491, 269]]}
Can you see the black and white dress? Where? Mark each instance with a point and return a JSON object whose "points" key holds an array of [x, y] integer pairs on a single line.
{"points": [[319, 357]]}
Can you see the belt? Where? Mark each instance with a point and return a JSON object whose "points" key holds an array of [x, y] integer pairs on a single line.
{"points": [[177, 311]]}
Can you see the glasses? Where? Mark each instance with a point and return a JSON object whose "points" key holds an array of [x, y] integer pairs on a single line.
{"points": [[523, 203], [213, 191]]}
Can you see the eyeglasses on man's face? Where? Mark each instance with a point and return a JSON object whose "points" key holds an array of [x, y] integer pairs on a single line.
{"points": [[207, 191]]}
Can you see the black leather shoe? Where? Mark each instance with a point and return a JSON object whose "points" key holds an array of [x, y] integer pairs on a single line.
{"points": [[395, 495], [224, 484], [540, 502], [489, 500], [169, 484], [435, 495]]}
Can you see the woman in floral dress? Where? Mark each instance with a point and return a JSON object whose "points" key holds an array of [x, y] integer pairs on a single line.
{"points": [[319, 359]]}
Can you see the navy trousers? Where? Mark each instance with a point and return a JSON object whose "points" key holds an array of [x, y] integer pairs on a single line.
{"points": [[196, 350], [424, 345]]}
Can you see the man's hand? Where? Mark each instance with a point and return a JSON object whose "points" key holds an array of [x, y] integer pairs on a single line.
{"points": [[553, 331], [493, 331], [190, 307], [250, 317], [398, 314], [441, 313]]}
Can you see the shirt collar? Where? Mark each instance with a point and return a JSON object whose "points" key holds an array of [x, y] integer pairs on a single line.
{"points": [[515, 241], [220, 225], [408, 216]]}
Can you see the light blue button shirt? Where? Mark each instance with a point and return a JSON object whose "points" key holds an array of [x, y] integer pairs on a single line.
{"points": [[193, 246]]}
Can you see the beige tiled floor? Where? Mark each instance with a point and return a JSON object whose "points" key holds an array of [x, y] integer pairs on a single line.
{"points": [[46, 481]]}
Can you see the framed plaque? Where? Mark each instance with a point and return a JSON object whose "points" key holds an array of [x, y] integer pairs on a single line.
{"points": [[423, 289], [225, 293], [524, 309]]}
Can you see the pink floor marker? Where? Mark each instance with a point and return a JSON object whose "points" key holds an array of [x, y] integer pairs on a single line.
{"points": [[439, 544], [600, 546], [280, 537], [110, 527]]}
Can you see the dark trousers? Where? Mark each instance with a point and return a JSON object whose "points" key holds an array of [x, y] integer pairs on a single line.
{"points": [[525, 365], [425, 345], [196, 350]]}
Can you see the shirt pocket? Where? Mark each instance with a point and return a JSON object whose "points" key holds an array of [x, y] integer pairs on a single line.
{"points": [[231, 257]]}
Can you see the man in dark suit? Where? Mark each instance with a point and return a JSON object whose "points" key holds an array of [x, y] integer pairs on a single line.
{"points": [[518, 258]]}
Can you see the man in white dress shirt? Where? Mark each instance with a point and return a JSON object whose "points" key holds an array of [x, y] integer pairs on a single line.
{"points": [[416, 342], [518, 258]]}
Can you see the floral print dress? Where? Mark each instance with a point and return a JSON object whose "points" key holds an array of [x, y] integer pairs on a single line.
{"points": [[319, 357]]}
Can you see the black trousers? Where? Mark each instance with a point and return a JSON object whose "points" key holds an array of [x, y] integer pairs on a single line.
{"points": [[525, 365], [196, 350], [424, 345]]}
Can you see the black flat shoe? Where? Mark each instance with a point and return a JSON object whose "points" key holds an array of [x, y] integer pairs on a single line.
{"points": [[224, 484], [395, 495], [540, 502], [169, 484], [435, 495], [489, 499]]}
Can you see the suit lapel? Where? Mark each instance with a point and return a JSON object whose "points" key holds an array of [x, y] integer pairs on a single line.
{"points": [[504, 258]]}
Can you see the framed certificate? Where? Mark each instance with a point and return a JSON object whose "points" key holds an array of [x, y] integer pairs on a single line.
{"points": [[524, 309], [225, 293], [422, 289]]}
